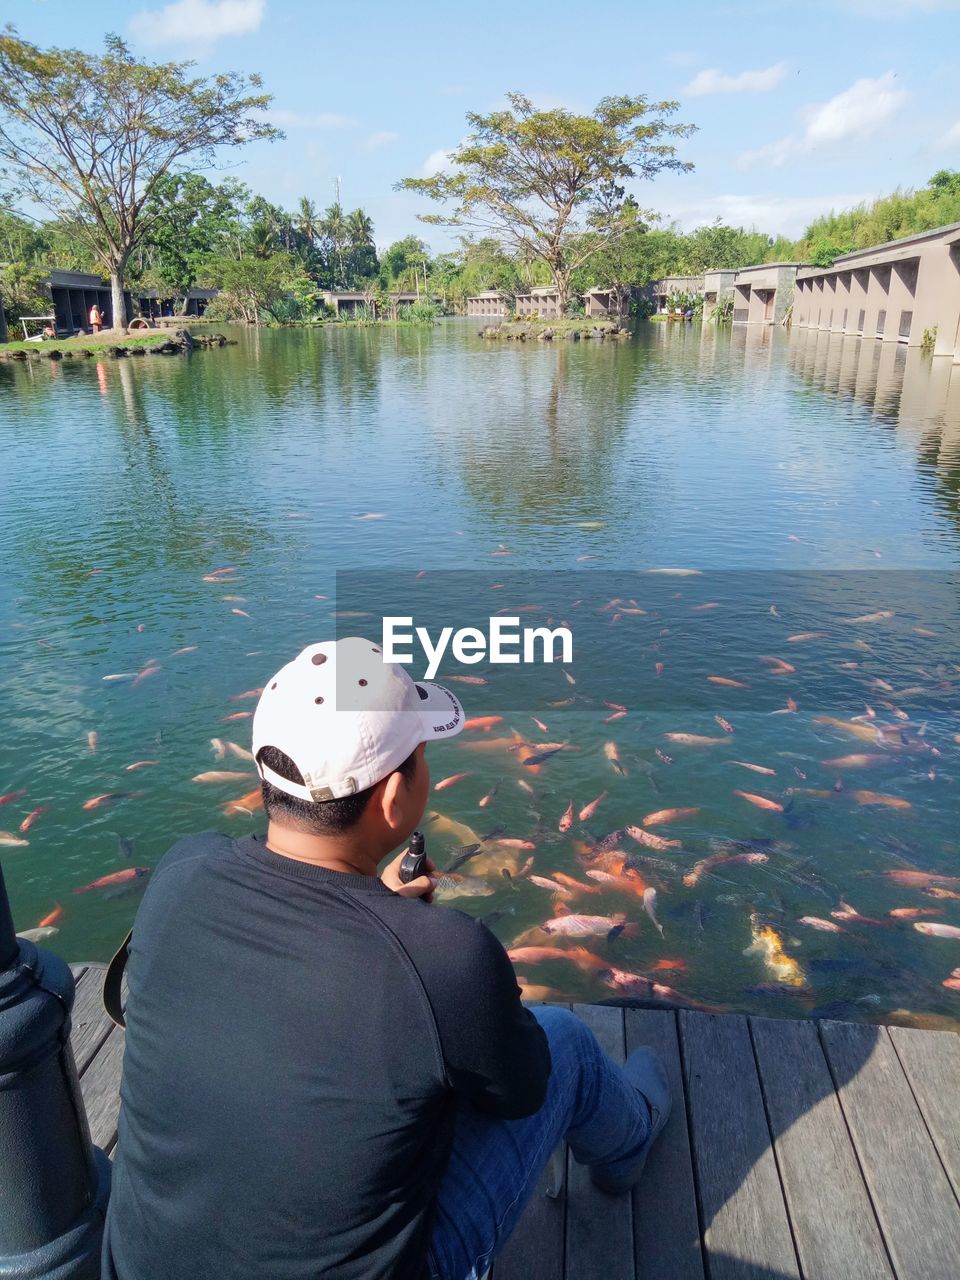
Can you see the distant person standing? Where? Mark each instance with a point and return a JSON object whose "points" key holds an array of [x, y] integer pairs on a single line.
{"points": [[96, 319]]}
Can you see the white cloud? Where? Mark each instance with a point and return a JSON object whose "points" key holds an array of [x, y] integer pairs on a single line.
{"points": [[713, 81], [381, 139], [436, 162], [952, 137], [786, 215], [307, 120], [857, 112], [197, 21]]}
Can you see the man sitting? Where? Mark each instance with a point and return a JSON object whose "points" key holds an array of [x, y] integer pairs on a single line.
{"points": [[325, 1074]]}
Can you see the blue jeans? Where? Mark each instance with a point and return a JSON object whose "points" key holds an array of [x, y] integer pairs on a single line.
{"points": [[495, 1164]]}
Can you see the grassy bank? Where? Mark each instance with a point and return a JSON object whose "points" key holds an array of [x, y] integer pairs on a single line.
{"points": [[89, 343], [140, 342]]}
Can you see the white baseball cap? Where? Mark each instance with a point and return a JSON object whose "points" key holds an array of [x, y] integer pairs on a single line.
{"points": [[346, 718]]}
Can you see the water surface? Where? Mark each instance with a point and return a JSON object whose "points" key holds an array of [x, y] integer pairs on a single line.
{"points": [[793, 471]]}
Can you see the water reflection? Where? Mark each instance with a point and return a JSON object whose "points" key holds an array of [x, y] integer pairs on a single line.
{"points": [[902, 387]]}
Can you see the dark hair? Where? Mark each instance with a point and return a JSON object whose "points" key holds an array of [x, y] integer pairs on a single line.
{"points": [[323, 818]]}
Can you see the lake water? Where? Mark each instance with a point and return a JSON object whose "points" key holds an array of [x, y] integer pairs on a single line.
{"points": [[814, 482]]}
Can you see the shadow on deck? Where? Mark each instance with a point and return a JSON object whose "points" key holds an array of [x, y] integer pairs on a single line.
{"points": [[804, 1151]]}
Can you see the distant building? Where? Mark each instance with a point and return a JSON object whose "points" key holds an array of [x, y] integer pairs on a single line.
{"points": [[348, 301], [762, 294], [542, 301], [896, 292], [155, 304], [717, 288], [73, 293], [662, 289], [613, 300], [492, 303]]}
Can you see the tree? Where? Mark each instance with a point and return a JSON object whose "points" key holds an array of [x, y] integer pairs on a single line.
{"points": [[193, 220], [251, 288], [91, 135], [551, 184]]}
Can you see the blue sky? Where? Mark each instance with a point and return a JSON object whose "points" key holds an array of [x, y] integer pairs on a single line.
{"points": [[800, 108]]}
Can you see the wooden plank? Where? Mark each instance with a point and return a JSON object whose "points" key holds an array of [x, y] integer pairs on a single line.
{"points": [[534, 1250], [78, 970], [100, 1087], [912, 1195], [746, 1232], [599, 1236], [91, 1026], [834, 1227], [666, 1228], [931, 1060]]}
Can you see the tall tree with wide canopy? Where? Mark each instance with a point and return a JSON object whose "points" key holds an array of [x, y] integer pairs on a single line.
{"points": [[89, 136], [552, 184]]}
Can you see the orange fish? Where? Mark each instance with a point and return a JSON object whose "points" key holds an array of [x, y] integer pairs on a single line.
{"points": [[221, 775], [780, 666], [693, 739], [96, 801], [922, 879], [488, 798], [720, 860], [467, 679], [937, 892], [614, 715], [145, 674], [246, 804], [449, 782], [566, 818], [31, 818], [92, 740], [914, 913], [855, 761], [878, 798], [482, 722], [13, 795], [761, 802], [612, 752], [51, 918], [114, 878], [664, 966], [649, 840], [660, 816], [247, 693], [588, 810], [140, 764], [239, 715], [727, 683], [569, 883], [805, 635], [757, 768]]}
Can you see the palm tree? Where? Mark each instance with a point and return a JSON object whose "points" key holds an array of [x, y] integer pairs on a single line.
{"points": [[308, 220], [360, 229], [336, 228]]}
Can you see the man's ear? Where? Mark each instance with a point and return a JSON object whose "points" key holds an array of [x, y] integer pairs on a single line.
{"points": [[391, 803]]}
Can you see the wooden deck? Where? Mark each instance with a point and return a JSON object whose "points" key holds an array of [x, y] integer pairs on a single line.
{"points": [[802, 1151]]}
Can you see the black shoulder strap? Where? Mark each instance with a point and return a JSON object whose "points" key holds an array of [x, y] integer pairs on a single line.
{"points": [[113, 981]]}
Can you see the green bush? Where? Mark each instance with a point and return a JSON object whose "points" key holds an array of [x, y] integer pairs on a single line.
{"points": [[422, 312]]}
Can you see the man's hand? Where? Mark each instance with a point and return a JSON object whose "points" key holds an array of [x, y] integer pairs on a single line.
{"points": [[422, 887]]}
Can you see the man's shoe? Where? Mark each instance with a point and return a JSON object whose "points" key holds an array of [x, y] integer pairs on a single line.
{"points": [[646, 1072]]}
